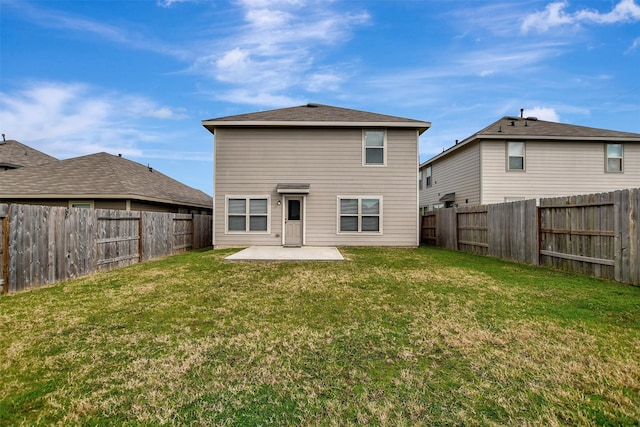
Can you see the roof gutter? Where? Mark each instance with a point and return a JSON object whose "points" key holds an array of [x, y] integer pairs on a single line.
{"points": [[211, 125]]}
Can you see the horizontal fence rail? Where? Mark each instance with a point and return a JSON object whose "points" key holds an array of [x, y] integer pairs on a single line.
{"points": [[42, 245], [593, 234]]}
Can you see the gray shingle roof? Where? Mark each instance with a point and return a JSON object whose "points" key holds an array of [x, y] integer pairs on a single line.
{"points": [[533, 128], [14, 154], [100, 175], [314, 115]]}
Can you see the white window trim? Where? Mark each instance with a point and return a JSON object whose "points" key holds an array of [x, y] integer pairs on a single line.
{"points": [[428, 178], [524, 156], [359, 232], [91, 203], [247, 198], [606, 157], [384, 149]]}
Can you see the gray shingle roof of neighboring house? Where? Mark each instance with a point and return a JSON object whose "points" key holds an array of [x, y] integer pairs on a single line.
{"points": [[100, 175], [529, 128], [540, 129], [315, 115], [15, 155]]}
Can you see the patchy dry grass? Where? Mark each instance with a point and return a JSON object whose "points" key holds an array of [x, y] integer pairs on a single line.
{"points": [[389, 337]]}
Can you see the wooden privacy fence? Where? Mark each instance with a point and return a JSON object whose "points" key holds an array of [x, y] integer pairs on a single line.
{"points": [[594, 234], [41, 245]]}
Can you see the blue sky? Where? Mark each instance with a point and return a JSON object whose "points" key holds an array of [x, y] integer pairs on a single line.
{"points": [[137, 77]]}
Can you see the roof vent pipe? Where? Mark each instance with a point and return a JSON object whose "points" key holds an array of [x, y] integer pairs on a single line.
{"points": [[521, 112]]}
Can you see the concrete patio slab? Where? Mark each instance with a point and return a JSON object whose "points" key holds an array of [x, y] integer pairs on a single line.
{"points": [[279, 253]]}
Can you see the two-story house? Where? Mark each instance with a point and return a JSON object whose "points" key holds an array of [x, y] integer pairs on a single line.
{"points": [[518, 158], [315, 175]]}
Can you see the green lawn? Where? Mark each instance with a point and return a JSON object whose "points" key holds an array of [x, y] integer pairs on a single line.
{"points": [[388, 337]]}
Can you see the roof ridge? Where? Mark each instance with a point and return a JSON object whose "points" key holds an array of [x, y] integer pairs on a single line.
{"points": [[112, 160]]}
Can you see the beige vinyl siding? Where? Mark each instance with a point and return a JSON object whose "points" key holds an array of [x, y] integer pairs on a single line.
{"points": [[555, 168], [253, 161], [458, 173]]}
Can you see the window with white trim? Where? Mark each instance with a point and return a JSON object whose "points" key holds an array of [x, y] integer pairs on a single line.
{"points": [[614, 158], [428, 174], [360, 214], [420, 175], [374, 149], [247, 214], [515, 153]]}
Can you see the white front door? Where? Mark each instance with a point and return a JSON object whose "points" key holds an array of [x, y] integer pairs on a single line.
{"points": [[293, 221]]}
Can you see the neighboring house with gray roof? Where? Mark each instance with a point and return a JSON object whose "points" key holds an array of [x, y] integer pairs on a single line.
{"points": [[14, 155], [315, 175], [101, 181], [519, 158]]}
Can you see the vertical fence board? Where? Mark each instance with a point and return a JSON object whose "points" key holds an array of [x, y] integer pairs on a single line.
{"points": [[157, 233], [202, 231], [182, 232], [428, 233], [472, 229], [446, 227]]}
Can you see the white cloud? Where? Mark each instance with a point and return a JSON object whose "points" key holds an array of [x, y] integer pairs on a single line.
{"points": [[555, 15], [625, 11], [552, 16], [275, 50], [542, 113], [50, 18], [267, 18], [258, 98], [71, 119], [234, 65], [635, 45], [320, 82], [169, 3]]}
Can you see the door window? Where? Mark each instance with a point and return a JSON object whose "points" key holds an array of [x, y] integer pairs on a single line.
{"points": [[293, 208]]}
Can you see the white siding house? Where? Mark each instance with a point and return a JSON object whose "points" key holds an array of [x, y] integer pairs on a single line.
{"points": [[519, 158], [315, 175]]}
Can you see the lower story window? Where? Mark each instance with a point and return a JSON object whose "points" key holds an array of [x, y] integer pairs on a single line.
{"points": [[360, 214], [247, 214]]}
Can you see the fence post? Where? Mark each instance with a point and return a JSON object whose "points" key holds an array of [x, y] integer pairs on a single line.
{"points": [[4, 270], [140, 246], [634, 236], [193, 233]]}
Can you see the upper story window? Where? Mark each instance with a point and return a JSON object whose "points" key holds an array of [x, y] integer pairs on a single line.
{"points": [[515, 156], [427, 172], [374, 147], [420, 177], [614, 158]]}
